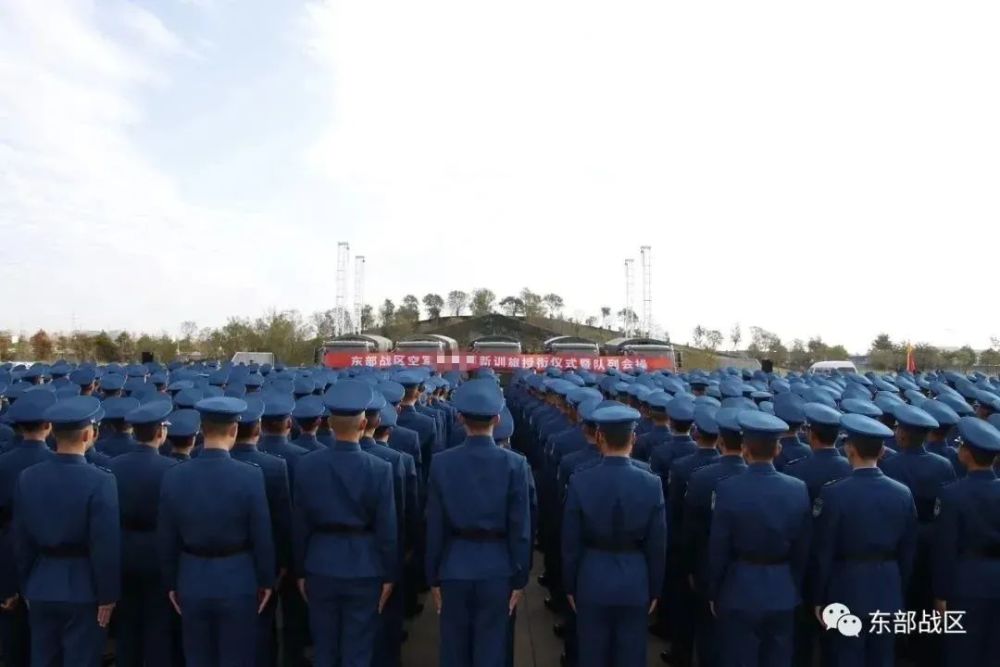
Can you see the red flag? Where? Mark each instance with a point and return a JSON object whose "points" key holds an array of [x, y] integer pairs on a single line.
{"points": [[911, 362]]}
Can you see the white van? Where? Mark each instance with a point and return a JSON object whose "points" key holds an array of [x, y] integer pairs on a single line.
{"points": [[831, 366]]}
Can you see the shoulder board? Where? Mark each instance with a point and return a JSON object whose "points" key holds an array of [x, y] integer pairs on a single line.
{"points": [[794, 461], [249, 463], [834, 481], [102, 468]]}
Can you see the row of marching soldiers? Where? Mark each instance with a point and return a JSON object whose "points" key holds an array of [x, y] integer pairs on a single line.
{"points": [[803, 516], [199, 518]]}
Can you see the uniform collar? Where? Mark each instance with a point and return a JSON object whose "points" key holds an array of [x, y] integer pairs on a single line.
{"points": [[406, 408], [786, 438], [367, 443], [732, 459], [71, 458], [341, 446], [762, 468], [616, 461], [826, 451], [480, 440], [683, 437], [213, 453], [245, 447], [272, 440], [867, 472], [707, 452], [30, 444], [913, 451], [142, 448], [982, 474]]}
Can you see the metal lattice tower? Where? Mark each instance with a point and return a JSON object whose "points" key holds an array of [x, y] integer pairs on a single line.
{"points": [[340, 308], [647, 290], [359, 290], [629, 295]]}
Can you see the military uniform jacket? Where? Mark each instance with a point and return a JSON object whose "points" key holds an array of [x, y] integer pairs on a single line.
{"points": [[966, 553], [649, 441], [664, 455], [20, 456], [698, 514], [308, 442], [395, 461], [426, 431], [412, 520], [210, 506], [614, 535], [865, 542], [66, 532], [825, 465], [792, 449], [680, 472], [278, 445], [116, 444], [759, 541], [139, 475], [942, 448], [279, 497], [344, 517], [478, 515], [923, 473]]}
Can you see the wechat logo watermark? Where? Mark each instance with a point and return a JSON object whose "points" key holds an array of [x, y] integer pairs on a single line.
{"points": [[838, 617]]}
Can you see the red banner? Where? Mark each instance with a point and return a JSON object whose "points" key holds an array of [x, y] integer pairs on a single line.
{"points": [[498, 362]]}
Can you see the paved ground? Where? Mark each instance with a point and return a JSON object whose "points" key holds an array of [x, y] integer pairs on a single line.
{"points": [[534, 643]]}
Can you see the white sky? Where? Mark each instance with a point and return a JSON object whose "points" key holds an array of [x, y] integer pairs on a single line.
{"points": [[811, 168]]}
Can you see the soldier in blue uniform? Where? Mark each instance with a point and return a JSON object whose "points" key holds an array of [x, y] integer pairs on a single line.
{"points": [[144, 617], [215, 543], [345, 534], [67, 542], [275, 427], [182, 433], [410, 418], [279, 507], [682, 605], [789, 408], [966, 549], [659, 430], [758, 550], [826, 464], [680, 415], [865, 542], [116, 438], [478, 533], [925, 474], [937, 439], [695, 530], [389, 637], [614, 547], [308, 415], [26, 451]]}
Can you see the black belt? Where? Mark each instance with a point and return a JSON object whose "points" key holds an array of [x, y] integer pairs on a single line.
{"points": [[868, 557], [762, 560], [991, 551], [479, 535], [216, 552], [138, 525], [613, 546], [65, 551], [342, 529]]}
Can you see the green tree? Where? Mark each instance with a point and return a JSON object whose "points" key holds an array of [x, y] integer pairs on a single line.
{"points": [[736, 335], [799, 357], [41, 346], [457, 301], [532, 303], [324, 323], [591, 321], [990, 357], [408, 313], [125, 345], [386, 314], [965, 357], [925, 356], [482, 302], [433, 303], [605, 316], [106, 349], [629, 318], [6, 346], [698, 336], [367, 317], [511, 305], [765, 344], [713, 339], [554, 304]]}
